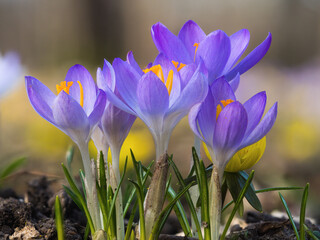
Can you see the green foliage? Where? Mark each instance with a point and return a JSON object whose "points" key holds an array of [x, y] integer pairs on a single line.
{"points": [[59, 219], [11, 168]]}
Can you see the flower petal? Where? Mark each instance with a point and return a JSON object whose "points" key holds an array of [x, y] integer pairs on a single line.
{"points": [[255, 108], [41, 98], [239, 43], [234, 83], [133, 63], [127, 80], [98, 109], [214, 50], [262, 128], [230, 128], [190, 34], [251, 59], [169, 44], [70, 117], [106, 77], [193, 120], [79, 73], [221, 90]]}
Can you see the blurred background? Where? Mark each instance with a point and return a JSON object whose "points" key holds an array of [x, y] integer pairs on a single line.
{"points": [[51, 36]]}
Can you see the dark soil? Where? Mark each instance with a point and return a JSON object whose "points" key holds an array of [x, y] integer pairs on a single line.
{"points": [[32, 217]]}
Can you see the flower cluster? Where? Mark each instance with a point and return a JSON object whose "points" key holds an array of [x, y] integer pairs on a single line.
{"points": [[194, 73]]}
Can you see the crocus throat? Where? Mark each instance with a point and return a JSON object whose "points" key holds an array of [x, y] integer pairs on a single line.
{"points": [[65, 86], [219, 107], [157, 69]]}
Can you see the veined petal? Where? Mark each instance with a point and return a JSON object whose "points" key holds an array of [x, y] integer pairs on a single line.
{"points": [[255, 108], [190, 34], [193, 120], [79, 73], [106, 77], [186, 73], [170, 44], [221, 90], [230, 128], [98, 109], [234, 83], [239, 43], [41, 98], [133, 63], [251, 59], [214, 50], [262, 128], [152, 95], [127, 80], [70, 116]]}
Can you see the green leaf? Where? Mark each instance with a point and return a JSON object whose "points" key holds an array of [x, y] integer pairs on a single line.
{"points": [[237, 204], [103, 178], [290, 216], [314, 235], [130, 222], [69, 157], [59, 219], [11, 167], [74, 197], [303, 211]]}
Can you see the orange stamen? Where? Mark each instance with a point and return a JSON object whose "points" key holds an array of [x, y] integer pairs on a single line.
{"points": [[178, 66], [157, 69], [64, 86], [195, 52], [224, 104], [81, 93]]}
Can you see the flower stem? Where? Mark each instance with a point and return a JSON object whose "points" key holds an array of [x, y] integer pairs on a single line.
{"points": [[115, 152], [91, 190], [215, 203]]}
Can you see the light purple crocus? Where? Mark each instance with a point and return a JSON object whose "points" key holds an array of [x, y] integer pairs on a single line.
{"points": [[10, 72], [76, 111], [226, 125], [159, 95], [217, 50]]}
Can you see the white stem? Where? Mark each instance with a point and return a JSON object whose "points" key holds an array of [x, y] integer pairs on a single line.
{"points": [[91, 191], [115, 152], [215, 203], [194, 191]]}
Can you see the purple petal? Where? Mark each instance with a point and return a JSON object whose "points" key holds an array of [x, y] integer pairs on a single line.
{"points": [[169, 44], [255, 108], [230, 128], [41, 98], [106, 77], [116, 124], [262, 128], [152, 95], [71, 117], [127, 80], [186, 73], [79, 73], [190, 34], [214, 50], [207, 118], [234, 83], [133, 63], [98, 109], [251, 59], [193, 120], [239, 43], [221, 90]]}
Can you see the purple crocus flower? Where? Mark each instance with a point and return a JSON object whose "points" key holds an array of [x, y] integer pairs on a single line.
{"points": [[218, 51], [226, 125], [76, 109], [159, 95]]}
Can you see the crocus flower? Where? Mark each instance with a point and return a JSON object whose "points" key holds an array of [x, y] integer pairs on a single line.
{"points": [[159, 95], [76, 111], [218, 51], [10, 71], [226, 125]]}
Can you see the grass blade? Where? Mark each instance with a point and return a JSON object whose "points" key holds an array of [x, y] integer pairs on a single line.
{"points": [[130, 222], [59, 219], [237, 204], [303, 211], [290, 216], [311, 234], [11, 167]]}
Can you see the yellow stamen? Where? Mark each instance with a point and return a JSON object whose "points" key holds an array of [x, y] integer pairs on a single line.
{"points": [[178, 66], [64, 86], [81, 93], [219, 107], [169, 81], [157, 69], [195, 52]]}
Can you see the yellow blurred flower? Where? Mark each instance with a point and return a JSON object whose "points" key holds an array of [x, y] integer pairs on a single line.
{"points": [[244, 158]]}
